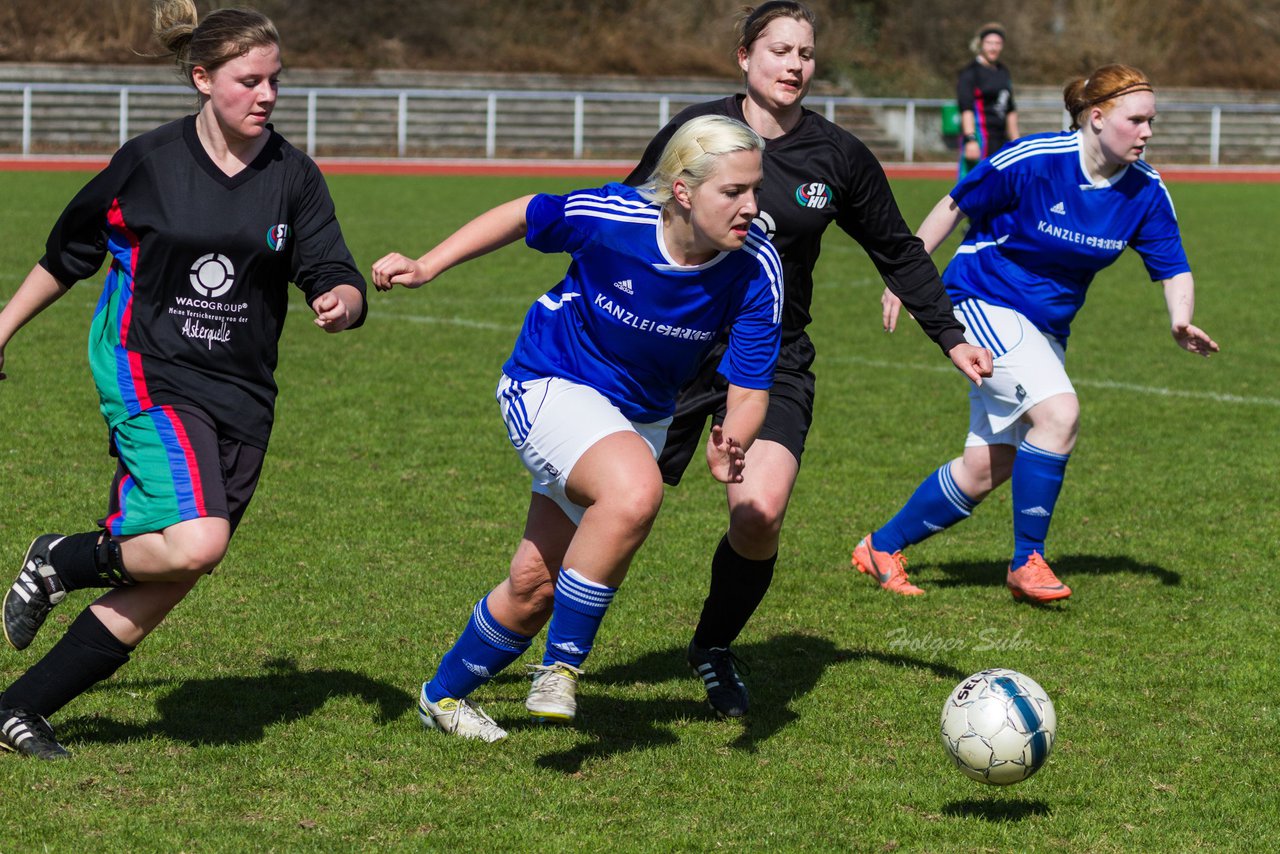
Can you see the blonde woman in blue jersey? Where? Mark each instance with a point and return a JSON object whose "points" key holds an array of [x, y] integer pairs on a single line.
{"points": [[659, 272], [1047, 213]]}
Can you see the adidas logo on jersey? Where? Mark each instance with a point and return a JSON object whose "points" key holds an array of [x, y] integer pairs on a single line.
{"points": [[624, 286], [1035, 511], [1059, 208]]}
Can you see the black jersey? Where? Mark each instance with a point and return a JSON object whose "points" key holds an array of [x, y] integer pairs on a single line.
{"points": [[816, 174], [195, 297], [987, 92]]}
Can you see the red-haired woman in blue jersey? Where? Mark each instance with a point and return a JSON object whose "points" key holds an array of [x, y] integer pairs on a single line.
{"points": [[1046, 214]]}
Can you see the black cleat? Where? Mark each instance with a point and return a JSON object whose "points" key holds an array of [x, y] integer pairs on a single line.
{"points": [[716, 667], [33, 594], [30, 734]]}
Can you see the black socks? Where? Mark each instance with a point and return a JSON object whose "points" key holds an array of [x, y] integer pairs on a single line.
{"points": [[86, 654], [738, 586], [91, 559]]}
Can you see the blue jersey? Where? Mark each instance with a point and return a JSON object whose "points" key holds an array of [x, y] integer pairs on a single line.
{"points": [[630, 322], [1041, 229]]}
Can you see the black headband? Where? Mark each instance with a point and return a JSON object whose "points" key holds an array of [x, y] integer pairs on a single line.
{"points": [[1140, 86], [988, 31]]}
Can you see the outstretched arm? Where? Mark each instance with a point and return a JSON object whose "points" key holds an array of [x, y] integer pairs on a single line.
{"points": [[939, 224], [728, 442], [38, 291], [491, 230], [973, 362], [936, 228], [1180, 298]]}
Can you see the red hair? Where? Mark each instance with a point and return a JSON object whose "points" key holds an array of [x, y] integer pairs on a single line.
{"points": [[1105, 84]]}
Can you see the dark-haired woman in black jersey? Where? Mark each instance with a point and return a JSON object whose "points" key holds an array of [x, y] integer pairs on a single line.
{"points": [[815, 173]]}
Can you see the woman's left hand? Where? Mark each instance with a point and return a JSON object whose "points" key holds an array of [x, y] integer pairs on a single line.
{"points": [[725, 456], [332, 312], [890, 308], [973, 362], [1193, 339]]}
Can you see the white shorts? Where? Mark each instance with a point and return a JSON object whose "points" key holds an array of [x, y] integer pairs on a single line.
{"points": [[552, 422], [1029, 368]]}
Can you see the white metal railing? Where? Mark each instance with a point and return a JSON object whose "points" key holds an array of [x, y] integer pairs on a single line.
{"points": [[910, 128], [907, 130]]}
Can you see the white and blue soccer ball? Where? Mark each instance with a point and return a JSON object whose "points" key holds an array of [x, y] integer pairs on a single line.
{"points": [[998, 726]]}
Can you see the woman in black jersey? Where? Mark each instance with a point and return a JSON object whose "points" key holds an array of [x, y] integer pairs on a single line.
{"points": [[984, 94], [206, 221], [815, 173]]}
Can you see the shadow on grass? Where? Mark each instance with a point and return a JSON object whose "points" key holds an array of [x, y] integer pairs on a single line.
{"points": [[230, 710], [1066, 567], [781, 669], [1015, 809]]}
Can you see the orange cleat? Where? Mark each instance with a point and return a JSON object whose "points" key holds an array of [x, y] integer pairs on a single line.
{"points": [[889, 570], [1035, 582]]}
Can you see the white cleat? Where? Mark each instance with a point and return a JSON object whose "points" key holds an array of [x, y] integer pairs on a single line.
{"points": [[458, 717], [554, 694]]}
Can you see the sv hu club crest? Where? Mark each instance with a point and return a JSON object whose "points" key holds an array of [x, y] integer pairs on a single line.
{"points": [[813, 195], [277, 235]]}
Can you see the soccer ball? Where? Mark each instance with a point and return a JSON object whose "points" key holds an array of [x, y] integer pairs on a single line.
{"points": [[998, 726]]}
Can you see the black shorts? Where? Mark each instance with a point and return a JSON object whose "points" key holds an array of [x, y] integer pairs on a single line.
{"points": [[786, 422], [173, 466]]}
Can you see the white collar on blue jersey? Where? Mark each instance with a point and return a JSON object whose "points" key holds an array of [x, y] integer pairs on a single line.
{"points": [[672, 264], [1103, 183]]}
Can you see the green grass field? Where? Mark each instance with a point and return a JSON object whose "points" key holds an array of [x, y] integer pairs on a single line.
{"points": [[274, 710]]}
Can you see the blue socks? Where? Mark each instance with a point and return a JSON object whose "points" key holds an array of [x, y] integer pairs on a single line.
{"points": [[580, 607], [483, 649], [936, 505], [1037, 481], [485, 646]]}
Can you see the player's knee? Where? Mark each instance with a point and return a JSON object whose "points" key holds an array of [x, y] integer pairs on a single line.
{"points": [[646, 501], [1059, 418], [1056, 432], [198, 549], [1066, 422], [200, 558], [634, 505], [758, 519]]}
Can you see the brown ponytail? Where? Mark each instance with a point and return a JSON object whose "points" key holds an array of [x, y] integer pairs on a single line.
{"points": [[223, 35]]}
